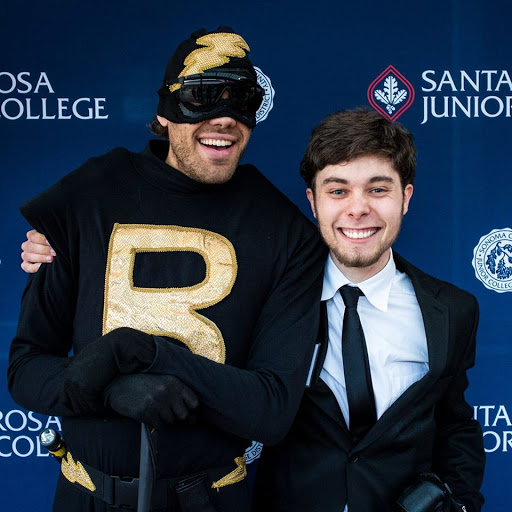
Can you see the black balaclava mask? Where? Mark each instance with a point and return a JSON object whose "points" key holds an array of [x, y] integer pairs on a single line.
{"points": [[220, 53]]}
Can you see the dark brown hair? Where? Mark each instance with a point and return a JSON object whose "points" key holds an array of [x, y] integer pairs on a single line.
{"points": [[349, 134], [157, 129]]}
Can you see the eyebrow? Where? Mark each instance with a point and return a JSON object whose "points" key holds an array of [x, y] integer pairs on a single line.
{"points": [[387, 179], [373, 179], [334, 179]]}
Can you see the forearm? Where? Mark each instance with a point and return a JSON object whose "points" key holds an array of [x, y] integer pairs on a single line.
{"points": [[256, 403], [38, 354], [257, 398], [35, 380]]}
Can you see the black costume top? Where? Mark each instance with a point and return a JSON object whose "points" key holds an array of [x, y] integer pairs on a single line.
{"points": [[239, 254]]}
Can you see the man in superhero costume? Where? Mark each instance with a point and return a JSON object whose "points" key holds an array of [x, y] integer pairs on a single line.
{"points": [[182, 278]]}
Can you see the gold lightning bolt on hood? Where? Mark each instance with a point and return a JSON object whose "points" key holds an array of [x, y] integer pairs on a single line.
{"points": [[219, 52], [207, 50]]}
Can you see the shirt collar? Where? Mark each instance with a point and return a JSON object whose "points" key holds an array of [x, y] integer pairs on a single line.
{"points": [[376, 289]]}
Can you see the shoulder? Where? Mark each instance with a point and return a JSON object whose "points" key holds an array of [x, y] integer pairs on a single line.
{"points": [[273, 215], [265, 194], [53, 211], [91, 175], [450, 294], [95, 171]]}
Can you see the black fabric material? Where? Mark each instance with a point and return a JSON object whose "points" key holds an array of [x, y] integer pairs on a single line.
{"points": [[169, 105], [268, 320], [430, 427], [152, 399], [122, 350], [358, 380], [322, 342], [193, 495]]}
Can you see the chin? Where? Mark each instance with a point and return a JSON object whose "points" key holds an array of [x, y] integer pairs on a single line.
{"points": [[216, 179], [356, 260]]}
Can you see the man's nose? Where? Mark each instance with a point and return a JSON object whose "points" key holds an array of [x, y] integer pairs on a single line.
{"points": [[358, 205], [223, 122]]}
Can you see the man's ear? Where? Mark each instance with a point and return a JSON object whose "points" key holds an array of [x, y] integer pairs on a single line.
{"points": [[407, 197], [311, 198], [163, 121]]}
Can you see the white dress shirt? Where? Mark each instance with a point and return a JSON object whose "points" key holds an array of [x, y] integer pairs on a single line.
{"points": [[393, 329]]}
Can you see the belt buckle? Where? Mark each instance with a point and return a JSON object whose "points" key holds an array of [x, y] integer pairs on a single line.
{"points": [[126, 491]]}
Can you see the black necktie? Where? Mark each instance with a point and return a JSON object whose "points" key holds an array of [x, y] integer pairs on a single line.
{"points": [[361, 401]]}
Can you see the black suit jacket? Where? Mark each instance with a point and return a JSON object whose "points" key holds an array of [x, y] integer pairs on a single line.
{"points": [[430, 428]]}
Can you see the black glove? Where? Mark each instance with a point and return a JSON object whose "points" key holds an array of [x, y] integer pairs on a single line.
{"points": [[152, 399], [120, 351]]}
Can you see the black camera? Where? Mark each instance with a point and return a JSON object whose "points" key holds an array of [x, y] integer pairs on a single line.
{"points": [[428, 494]]}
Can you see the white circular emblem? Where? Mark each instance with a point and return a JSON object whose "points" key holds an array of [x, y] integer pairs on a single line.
{"points": [[253, 452], [492, 260], [268, 98]]}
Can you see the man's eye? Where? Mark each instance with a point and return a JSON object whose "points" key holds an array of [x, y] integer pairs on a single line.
{"points": [[337, 192], [378, 190]]}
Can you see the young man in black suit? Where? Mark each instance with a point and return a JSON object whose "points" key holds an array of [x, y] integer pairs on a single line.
{"points": [[365, 433]]}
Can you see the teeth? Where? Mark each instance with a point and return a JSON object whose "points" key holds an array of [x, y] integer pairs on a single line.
{"points": [[216, 142], [353, 233]]}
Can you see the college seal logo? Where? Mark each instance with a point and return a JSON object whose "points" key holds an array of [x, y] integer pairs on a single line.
{"points": [[268, 98], [391, 93], [492, 260], [253, 452]]}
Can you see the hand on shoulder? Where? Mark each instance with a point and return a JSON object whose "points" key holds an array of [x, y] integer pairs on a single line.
{"points": [[36, 250]]}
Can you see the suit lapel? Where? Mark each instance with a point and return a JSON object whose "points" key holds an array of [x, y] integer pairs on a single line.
{"points": [[323, 398], [435, 320], [319, 393]]}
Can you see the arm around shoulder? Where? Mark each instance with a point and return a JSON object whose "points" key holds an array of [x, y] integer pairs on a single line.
{"points": [[35, 250]]}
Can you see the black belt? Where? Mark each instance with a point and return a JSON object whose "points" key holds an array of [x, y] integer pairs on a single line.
{"points": [[188, 493]]}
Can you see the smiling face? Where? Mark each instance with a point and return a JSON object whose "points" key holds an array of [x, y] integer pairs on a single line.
{"points": [[208, 151], [359, 207]]}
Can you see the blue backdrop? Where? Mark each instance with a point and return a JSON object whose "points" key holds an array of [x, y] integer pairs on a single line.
{"points": [[77, 81]]}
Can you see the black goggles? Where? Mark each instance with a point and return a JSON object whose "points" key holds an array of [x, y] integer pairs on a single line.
{"points": [[207, 90]]}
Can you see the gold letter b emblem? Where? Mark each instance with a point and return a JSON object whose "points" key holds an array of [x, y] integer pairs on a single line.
{"points": [[168, 311]]}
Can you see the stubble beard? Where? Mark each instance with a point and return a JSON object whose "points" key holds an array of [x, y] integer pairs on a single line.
{"points": [[202, 172], [361, 260], [190, 164]]}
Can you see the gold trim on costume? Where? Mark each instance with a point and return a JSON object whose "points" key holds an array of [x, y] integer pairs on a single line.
{"points": [[168, 311], [237, 475], [75, 472]]}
